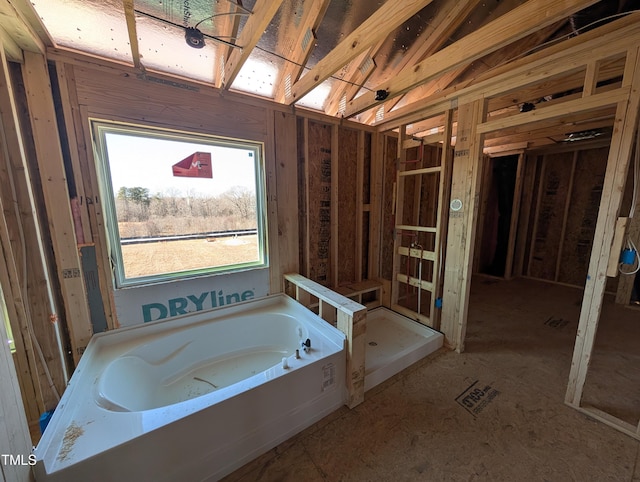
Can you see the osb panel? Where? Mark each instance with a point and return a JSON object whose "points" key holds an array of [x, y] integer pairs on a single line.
{"points": [[347, 194], [583, 213], [389, 178], [319, 209], [555, 190], [176, 104]]}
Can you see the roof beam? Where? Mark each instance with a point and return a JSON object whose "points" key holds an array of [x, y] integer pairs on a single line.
{"points": [[446, 21], [514, 25], [130, 17], [550, 63], [263, 12], [226, 29], [19, 29], [377, 27], [299, 50]]}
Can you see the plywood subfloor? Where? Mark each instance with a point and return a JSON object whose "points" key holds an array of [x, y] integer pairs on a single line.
{"points": [[494, 412]]}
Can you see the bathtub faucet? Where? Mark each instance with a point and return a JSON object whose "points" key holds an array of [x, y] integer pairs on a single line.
{"points": [[306, 345]]}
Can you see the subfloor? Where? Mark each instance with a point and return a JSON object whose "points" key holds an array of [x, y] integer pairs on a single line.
{"points": [[494, 412]]}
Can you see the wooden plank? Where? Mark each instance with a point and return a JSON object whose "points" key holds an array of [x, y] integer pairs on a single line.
{"points": [[422, 229], [352, 321], [565, 215], [399, 204], [130, 17], [515, 210], [349, 215], [567, 56], [376, 198], [424, 170], [616, 247], [56, 196], [359, 204], [307, 200], [271, 193], [615, 177], [226, 27], [15, 23], [286, 192], [512, 26], [467, 167], [335, 225], [375, 28], [582, 105], [299, 49], [263, 12]]}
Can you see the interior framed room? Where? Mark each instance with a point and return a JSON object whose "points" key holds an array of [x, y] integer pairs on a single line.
{"points": [[447, 187]]}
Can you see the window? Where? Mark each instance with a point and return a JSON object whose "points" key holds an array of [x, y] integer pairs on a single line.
{"points": [[179, 204]]}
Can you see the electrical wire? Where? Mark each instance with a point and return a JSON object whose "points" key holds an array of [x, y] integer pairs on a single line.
{"points": [[634, 198]]}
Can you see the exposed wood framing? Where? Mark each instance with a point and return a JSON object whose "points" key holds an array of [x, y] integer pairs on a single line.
{"points": [[130, 16], [18, 28], [359, 205], [513, 225], [615, 177], [384, 21], [227, 29], [467, 167], [299, 47], [351, 320], [375, 211], [287, 193], [335, 246], [565, 215], [530, 70], [512, 26], [56, 195], [263, 12]]}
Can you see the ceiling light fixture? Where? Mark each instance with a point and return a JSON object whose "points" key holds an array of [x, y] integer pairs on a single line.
{"points": [[381, 94], [194, 37]]}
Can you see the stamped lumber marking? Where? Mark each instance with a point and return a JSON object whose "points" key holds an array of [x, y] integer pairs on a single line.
{"points": [[475, 397], [556, 322]]}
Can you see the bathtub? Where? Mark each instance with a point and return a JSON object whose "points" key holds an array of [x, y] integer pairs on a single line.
{"points": [[195, 397]]}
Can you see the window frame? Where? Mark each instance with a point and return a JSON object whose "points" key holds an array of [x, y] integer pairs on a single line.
{"points": [[100, 127]]}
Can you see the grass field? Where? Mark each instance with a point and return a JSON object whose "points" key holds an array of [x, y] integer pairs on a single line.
{"points": [[170, 256]]}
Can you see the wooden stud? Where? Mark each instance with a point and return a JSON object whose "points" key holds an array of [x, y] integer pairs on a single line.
{"points": [[227, 28], [271, 193], [536, 215], [375, 28], [515, 209], [375, 216], [625, 284], [467, 166], [307, 201], [130, 17], [359, 205], [565, 215], [287, 192], [335, 226], [524, 214], [615, 177], [56, 195], [399, 212]]}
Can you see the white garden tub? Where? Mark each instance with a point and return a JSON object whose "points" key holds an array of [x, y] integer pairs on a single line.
{"points": [[195, 397]]}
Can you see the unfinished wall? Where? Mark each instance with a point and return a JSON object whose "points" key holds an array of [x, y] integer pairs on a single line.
{"points": [[566, 192]]}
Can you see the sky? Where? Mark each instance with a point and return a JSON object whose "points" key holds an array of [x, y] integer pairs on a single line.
{"points": [[147, 162]]}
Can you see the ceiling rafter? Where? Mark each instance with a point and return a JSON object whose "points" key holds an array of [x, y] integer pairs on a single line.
{"points": [[514, 25], [19, 28], [226, 28], [539, 62], [448, 18], [299, 50], [377, 27], [130, 17], [355, 75], [263, 12]]}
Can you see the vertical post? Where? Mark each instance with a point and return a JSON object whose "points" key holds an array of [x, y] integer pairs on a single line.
{"points": [[399, 212], [375, 201], [615, 176], [515, 211], [56, 198], [335, 159], [467, 168]]}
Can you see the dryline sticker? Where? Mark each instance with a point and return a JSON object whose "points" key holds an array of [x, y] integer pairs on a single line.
{"points": [[476, 397]]}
